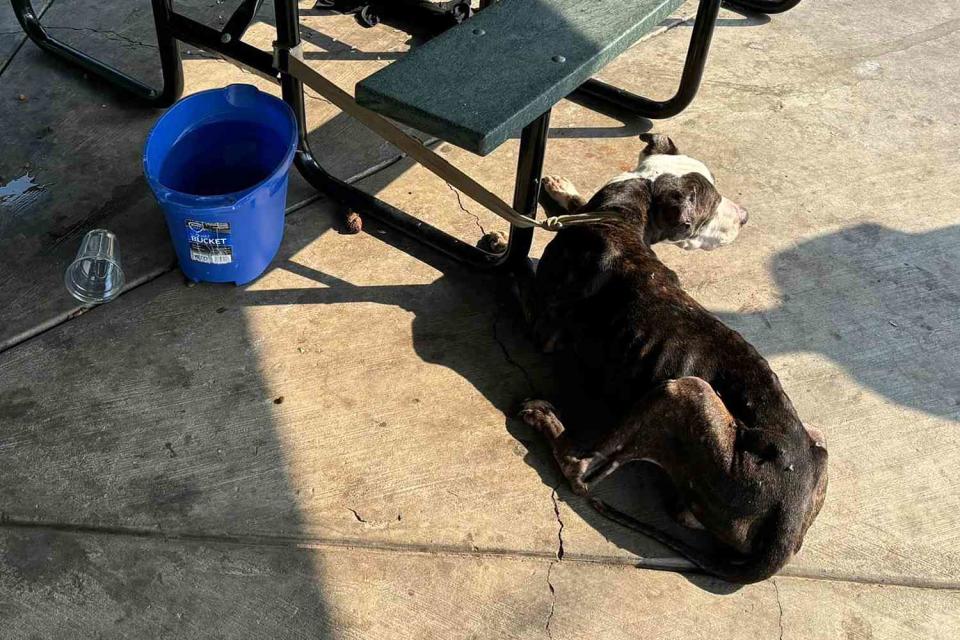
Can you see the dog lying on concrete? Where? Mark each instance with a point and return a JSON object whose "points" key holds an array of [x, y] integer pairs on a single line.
{"points": [[690, 394]]}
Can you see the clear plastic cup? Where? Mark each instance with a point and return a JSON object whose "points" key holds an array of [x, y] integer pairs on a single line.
{"points": [[95, 275]]}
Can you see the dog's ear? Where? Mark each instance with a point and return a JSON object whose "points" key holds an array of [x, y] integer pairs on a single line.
{"points": [[672, 204], [658, 143]]}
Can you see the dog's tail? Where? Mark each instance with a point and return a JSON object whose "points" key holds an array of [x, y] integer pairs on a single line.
{"points": [[778, 541]]}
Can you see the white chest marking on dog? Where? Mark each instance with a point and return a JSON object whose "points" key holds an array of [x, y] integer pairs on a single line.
{"points": [[659, 164]]}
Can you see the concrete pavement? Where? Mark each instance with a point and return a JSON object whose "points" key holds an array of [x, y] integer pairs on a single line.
{"points": [[330, 452]]}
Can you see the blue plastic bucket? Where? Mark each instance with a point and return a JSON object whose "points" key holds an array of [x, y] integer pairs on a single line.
{"points": [[218, 162]]}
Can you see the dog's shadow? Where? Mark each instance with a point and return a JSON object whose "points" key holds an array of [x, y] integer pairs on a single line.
{"points": [[469, 322], [878, 302]]}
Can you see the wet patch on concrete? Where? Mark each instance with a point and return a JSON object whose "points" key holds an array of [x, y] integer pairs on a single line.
{"points": [[19, 194]]}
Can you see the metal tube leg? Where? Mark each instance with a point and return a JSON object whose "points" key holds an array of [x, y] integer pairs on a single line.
{"points": [[689, 82], [532, 146], [170, 63]]}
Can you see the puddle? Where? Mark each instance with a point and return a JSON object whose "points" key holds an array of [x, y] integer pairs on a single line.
{"points": [[17, 195]]}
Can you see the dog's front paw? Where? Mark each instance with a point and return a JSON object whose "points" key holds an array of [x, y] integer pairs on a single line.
{"points": [[579, 488], [560, 190], [534, 412]]}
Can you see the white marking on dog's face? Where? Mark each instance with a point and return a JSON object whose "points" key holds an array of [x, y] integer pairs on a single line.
{"points": [[725, 223], [723, 228]]}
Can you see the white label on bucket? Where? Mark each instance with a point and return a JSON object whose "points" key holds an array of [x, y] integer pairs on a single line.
{"points": [[210, 242]]}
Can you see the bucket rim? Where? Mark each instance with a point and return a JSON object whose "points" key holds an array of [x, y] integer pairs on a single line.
{"points": [[219, 200]]}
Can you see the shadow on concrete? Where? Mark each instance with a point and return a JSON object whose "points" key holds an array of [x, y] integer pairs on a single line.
{"points": [[747, 18], [334, 49], [632, 125], [96, 475], [506, 369], [880, 303], [167, 443], [842, 289]]}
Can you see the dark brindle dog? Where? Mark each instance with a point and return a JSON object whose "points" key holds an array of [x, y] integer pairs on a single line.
{"points": [[690, 394]]}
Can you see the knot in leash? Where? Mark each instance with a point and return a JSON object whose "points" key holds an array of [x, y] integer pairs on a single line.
{"points": [[558, 223]]}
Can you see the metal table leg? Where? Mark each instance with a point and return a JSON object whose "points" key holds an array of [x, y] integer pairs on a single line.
{"points": [[529, 171], [696, 60], [170, 64]]}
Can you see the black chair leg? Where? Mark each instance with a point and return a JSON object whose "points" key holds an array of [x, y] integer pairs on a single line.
{"points": [[529, 172], [170, 63], [605, 94]]}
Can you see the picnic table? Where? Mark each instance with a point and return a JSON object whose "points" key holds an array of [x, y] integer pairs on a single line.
{"points": [[515, 60]]}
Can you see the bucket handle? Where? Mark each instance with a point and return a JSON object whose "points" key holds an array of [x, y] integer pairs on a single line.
{"points": [[241, 95], [165, 195], [280, 184]]}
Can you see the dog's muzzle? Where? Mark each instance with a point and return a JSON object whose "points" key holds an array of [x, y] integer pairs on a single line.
{"points": [[732, 211]]}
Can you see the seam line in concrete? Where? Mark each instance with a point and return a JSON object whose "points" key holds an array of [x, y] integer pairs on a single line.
{"points": [[673, 565], [76, 312]]}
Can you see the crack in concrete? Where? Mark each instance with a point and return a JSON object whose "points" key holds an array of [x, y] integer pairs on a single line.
{"points": [[556, 513], [779, 606], [318, 98], [553, 599], [476, 218], [508, 357], [553, 590], [106, 32], [116, 36], [356, 515]]}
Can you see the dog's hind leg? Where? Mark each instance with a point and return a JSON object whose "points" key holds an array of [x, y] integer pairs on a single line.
{"points": [[581, 470], [680, 425], [558, 195]]}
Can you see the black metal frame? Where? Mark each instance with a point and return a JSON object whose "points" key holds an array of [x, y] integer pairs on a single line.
{"points": [[172, 27], [689, 81], [765, 6], [170, 64]]}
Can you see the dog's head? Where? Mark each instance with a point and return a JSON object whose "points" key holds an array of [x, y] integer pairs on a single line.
{"points": [[686, 207]]}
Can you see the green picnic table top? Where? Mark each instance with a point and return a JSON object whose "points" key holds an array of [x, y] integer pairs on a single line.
{"points": [[481, 82]]}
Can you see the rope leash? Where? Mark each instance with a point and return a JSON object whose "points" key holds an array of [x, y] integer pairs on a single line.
{"points": [[556, 223]]}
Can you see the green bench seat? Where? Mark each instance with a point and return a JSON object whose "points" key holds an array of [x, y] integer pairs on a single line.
{"points": [[480, 83]]}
